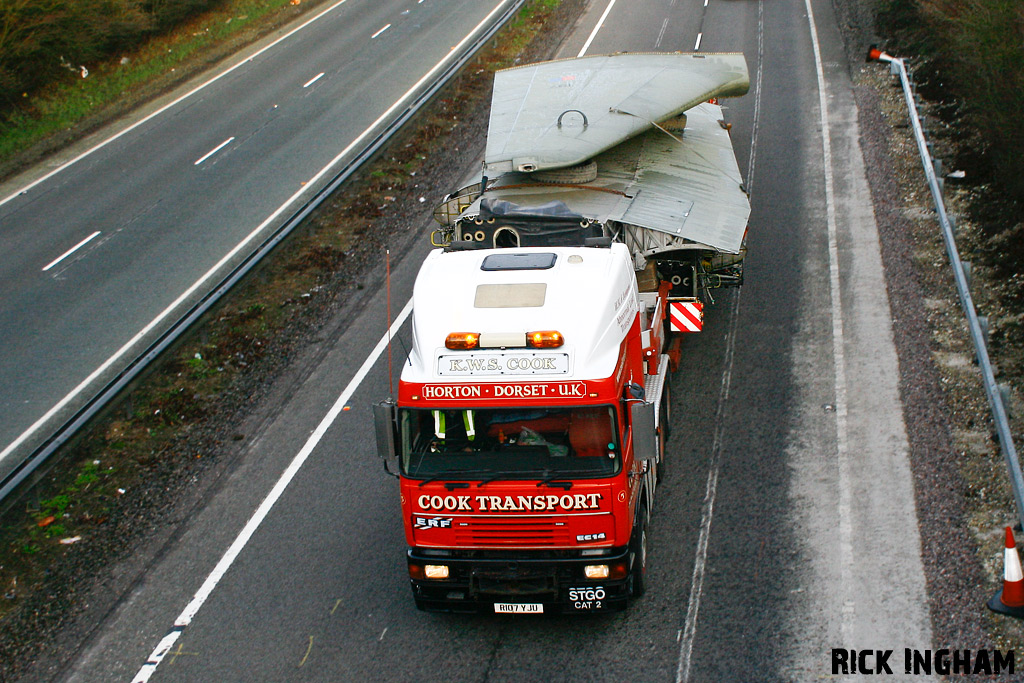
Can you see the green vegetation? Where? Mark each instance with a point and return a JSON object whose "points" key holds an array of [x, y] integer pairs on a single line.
{"points": [[970, 64], [974, 58], [41, 39], [63, 61]]}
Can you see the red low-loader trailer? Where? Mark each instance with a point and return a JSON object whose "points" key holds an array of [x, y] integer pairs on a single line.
{"points": [[528, 434]]}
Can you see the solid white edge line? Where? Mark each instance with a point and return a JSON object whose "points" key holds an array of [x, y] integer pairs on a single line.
{"points": [[380, 32], [314, 79], [233, 551], [69, 252], [593, 34], [249, 238], [164, 108], [214, 151], [838, 356]]}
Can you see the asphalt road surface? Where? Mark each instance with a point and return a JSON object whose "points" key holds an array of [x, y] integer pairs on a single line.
{"points": [[102, 256], [785, 526]]}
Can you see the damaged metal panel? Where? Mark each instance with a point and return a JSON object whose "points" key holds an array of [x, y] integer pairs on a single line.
{"points": [[557, 114], [690, 190], [686, 189]]}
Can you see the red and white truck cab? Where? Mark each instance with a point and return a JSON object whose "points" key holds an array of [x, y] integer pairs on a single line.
{"points": [[526, 429]]}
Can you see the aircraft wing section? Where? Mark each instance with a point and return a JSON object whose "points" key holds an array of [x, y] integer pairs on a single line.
{"points": [[561, 113]]}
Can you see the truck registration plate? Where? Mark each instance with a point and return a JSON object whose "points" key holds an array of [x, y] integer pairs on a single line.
{"points": [[518, 608]]}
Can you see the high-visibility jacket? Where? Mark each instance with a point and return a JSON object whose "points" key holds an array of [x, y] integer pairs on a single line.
{"points": [[468, 421]]}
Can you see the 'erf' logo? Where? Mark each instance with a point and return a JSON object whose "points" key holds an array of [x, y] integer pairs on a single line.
{"points": [[432, 523]]}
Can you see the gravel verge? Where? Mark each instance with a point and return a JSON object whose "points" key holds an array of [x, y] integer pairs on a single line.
{"points": [[961, 483]]}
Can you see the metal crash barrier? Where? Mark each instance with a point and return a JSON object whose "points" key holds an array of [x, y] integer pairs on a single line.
{"points": [[978, 326]]}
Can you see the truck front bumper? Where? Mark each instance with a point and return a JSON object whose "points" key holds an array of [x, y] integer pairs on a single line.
{"points": [[480, 581]]}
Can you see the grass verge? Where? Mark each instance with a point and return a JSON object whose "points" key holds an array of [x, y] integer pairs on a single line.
{"points": [[75, 106]]}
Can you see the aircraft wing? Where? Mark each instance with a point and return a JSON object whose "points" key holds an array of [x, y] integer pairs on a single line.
{"points": [[561, 113], [689, 191]]}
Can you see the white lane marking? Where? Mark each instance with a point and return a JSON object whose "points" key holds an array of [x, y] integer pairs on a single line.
{"points": [[710, 493], [697, 46], [752, 162], [600, 23], [661, 34], [697, 581], [161, 110], [838, 356], [314, 79], [233, 551], [450, 55], [69, 252], [380, 31], [214, 151]]}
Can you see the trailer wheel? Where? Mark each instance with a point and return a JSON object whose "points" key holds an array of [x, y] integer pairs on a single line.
{"points": [[638, 575], [664, 430]]}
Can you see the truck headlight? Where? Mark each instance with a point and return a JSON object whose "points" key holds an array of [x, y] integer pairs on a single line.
{"points": [[435, 571], [596, 571]]}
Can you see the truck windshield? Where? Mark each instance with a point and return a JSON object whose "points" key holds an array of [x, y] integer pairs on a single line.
{"points": [[484, 444]]}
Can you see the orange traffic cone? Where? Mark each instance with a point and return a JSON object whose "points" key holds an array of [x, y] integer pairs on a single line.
{"points": [[1010, 600]]}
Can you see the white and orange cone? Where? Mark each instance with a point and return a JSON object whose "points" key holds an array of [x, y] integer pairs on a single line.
{"points": [[1010, 600]]}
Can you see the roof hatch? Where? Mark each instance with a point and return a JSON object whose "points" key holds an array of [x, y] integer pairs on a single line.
{"points": [[509, 261]]}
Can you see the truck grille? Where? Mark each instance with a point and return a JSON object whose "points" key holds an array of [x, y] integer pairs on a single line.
{"points": [[512, 531]]}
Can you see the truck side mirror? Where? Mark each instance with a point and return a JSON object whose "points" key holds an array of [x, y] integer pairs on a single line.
{"points": [[645, 439], [385, 425]]}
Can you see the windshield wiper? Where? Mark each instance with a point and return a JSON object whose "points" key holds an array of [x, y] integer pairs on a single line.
{"points": [[511, 475], [453, 474], [547, 477], [591, 471]]}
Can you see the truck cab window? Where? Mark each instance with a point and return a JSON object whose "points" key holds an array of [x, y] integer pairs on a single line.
{"points": [[519, 442]]}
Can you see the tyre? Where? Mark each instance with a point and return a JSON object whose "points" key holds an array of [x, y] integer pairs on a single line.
{"points": [[664, 431], [638, 573]]}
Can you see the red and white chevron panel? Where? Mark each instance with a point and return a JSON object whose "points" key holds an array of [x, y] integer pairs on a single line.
{"points": [[686, 316]]}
